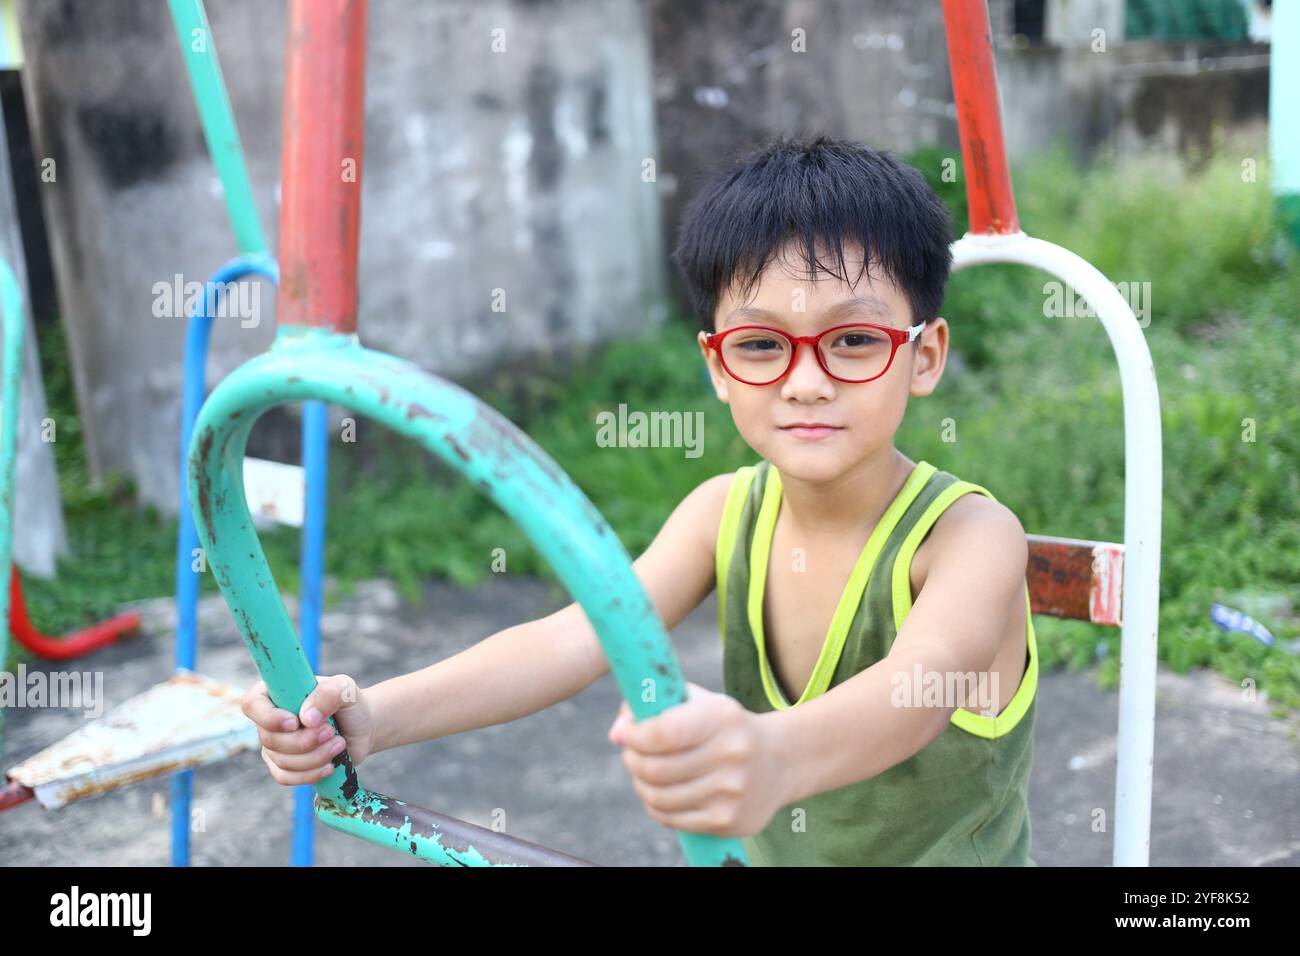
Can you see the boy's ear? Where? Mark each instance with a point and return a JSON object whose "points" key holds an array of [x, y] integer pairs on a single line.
{"points": [[930, 358], [714, 364]]}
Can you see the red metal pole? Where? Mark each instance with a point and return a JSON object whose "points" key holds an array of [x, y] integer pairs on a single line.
{"points": [[320, 169], [13, 793], [71, 645], [992, 205]]}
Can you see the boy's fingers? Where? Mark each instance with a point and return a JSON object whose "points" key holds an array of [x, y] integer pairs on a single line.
{"points": [[330, 694], [677, 728], [319, 756], [302, 741], [623, 719], [258, 707], [294, 778]]}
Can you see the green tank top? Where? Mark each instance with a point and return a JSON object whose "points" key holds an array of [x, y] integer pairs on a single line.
{"points": [[963, 799]]}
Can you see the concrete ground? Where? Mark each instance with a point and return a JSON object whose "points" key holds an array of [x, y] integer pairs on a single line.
{"points": [[1227, 774]]}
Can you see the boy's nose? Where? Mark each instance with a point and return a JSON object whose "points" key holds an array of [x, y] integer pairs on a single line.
{"points": [[806, 374]]}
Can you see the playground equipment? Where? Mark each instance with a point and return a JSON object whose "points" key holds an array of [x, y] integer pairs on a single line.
{"points": [[316, 356], [1284, 118], [995, 236], [71, 645], [195, 37], [13, 609], [191, 720]]}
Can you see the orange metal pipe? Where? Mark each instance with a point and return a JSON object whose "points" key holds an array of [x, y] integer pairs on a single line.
{"points": [[990, 200], [320, 169]]}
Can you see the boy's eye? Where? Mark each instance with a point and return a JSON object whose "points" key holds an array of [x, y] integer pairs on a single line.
{"points": [[760, 343], [856, 339]]}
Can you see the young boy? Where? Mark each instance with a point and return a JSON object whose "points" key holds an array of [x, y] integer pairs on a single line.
{"points": [[879, 659]]}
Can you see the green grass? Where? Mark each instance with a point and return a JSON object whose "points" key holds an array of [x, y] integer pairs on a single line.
{"points": [[1035, 402]]}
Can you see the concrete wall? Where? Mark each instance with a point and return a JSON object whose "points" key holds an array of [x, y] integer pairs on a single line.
{"points": [[518, 171], [1134, 97], [728, 75], [38, 516]]}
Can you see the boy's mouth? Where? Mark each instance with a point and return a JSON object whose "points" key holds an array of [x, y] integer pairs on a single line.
{"points": [[811, 429]]}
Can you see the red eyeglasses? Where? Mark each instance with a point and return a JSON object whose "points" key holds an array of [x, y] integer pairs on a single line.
{"points": [[760, 355]]}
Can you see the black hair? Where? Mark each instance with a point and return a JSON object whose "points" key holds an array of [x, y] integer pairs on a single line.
{"points": [[827, 190]]}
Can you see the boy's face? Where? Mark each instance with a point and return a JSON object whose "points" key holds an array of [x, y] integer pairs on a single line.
{"points": [[866, 414]]}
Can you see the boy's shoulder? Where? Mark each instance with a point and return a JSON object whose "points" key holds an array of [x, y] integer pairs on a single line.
{"points": [[974, 527], [712, 494], [701, 509]]}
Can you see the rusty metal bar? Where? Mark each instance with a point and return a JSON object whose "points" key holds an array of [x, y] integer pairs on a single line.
{"points": [[186, 721], [432, 835], [14, 793], [1076, 579], [320, 168], [990, 201]]}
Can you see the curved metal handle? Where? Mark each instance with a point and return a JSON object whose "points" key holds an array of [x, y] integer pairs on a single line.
{"points": [[499, 459]]}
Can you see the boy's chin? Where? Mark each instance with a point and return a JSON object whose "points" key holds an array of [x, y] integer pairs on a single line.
{"points": [[811, 464]]}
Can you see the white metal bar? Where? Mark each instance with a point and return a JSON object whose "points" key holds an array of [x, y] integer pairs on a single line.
{"points": [[1143, 484]]}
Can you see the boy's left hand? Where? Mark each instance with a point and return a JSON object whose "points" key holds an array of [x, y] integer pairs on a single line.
{"points": [[705, 766]]}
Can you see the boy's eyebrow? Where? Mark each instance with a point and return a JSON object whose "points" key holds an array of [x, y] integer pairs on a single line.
{"points": [[853, 304]]}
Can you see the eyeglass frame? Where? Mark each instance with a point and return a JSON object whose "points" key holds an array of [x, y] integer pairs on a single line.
{"points": [[898, 337]]}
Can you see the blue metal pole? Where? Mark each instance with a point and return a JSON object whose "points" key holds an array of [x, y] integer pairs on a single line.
{"points": [[315, 461], [199, 49], [189, 558]]}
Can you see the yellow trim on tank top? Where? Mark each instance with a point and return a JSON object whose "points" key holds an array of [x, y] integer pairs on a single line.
{"points": [[969, 721], [726, 540], [850, 597]]}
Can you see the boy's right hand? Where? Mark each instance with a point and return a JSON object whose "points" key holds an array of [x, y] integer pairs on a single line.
{"points": [[301, 749]]}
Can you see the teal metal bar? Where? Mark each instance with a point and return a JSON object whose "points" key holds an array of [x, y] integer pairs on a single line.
{"points": [[11, 304], [1284, 117], [195, 36], [319, 364]]}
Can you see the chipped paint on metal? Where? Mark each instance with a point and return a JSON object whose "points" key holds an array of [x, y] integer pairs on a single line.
{"points": [[186, 721], [1076, 579], [433, 836], [1106, 598], [492, 454]]}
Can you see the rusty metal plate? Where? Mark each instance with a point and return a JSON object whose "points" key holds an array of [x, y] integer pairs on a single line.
{"points": [[187, 721]]}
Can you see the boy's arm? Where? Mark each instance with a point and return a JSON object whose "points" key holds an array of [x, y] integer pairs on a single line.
{"points": [[525, 668], [854, 732]]}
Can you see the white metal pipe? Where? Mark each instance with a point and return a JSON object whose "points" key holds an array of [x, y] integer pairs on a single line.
{"points": [[1143, 483]]}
